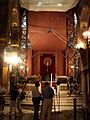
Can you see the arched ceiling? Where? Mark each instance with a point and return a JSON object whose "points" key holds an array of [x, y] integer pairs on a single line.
{"points": [[47, 23], [48, 5]]}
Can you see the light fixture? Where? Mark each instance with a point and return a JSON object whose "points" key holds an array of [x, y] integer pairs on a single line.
{"points": [[72, 67], [86, 34], [39, 4], [60, 4], [80, 45], [11, 56]]}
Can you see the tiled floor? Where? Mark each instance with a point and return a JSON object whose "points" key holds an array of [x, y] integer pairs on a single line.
{"points": [[65, 105], [28, 114]]}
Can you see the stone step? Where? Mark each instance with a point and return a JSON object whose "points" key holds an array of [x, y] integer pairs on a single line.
{"points": [[65, 102], [64, 105], [56, 101]]}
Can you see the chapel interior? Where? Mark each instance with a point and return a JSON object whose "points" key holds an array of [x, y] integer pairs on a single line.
{"points": [[45, 41]]}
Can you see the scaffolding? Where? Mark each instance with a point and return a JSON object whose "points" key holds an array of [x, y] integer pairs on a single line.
{"points": [[23, 44], [72, 54], [17, 35]]}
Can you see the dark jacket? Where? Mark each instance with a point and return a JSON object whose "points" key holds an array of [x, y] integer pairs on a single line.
{"points": [[13, 95], [47, 92]]}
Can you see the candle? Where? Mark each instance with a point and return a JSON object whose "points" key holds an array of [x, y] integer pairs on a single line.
{"points": [[51, 80]]}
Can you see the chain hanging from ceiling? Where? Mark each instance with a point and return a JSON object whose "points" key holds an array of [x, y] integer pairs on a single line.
{"points": [[72, 54]]}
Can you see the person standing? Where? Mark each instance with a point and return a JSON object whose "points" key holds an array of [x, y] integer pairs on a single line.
{"points": [[36, 100], [13, 97], [47, 95], [19, 101]]}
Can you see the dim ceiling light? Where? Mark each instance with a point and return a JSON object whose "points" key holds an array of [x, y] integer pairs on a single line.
{"points": [[39, 4], [59, 4]]}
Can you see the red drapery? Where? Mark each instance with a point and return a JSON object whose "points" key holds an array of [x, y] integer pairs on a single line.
{"points": [[47, 66]]}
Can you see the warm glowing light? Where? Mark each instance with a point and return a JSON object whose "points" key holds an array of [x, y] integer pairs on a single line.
{"points": [[13, 59], [86, 34], [72, 66], [80, 45], [21, 67], [60, 4]]}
